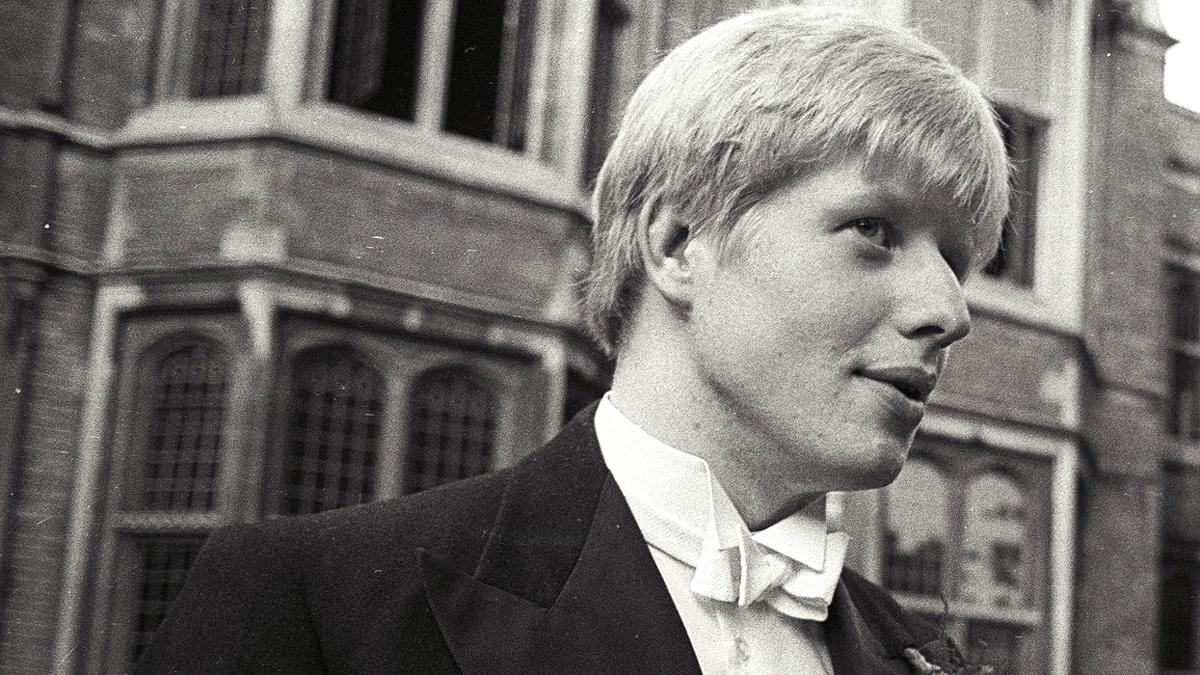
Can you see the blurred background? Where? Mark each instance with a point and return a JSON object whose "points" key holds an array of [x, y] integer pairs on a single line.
{"points": [[270, 257]]}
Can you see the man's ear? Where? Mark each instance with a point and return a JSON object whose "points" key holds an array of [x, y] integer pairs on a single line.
{"points": [[670, 256]]}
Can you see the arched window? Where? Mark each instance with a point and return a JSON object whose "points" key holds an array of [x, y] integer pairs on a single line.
{"points": [[965, 539], [333, 422], [917, 529], [995, 559], [179, 469], [452, 425], [172, 481]]}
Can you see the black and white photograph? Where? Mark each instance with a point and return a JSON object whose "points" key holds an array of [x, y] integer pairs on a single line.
{"points": [[810, 337]]}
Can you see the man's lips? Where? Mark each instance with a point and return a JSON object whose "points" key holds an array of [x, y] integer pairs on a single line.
{"points": [[915, 382]]}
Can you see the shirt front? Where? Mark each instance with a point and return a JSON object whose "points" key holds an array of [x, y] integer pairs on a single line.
{"points": [[681, 510]]}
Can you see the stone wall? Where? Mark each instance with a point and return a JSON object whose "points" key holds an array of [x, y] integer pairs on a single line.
{"points": [[1120, 516]]}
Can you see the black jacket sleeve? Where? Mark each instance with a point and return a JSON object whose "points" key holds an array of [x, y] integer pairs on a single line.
{"points": [[241, 610]]}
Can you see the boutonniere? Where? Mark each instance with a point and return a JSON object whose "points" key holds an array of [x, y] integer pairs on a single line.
{"points": [[940, 657]]}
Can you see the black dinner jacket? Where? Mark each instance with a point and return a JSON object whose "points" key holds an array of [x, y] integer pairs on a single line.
{"points": [[539, 568]]}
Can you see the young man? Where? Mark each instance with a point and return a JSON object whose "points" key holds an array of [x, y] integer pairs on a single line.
{"points": [[783, 226]]}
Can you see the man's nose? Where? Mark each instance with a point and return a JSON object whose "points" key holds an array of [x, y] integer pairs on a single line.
{"points": [[931, 304]]}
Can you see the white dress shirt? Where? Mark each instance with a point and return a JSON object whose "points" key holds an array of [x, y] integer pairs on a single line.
{"points": [[721, 577]]}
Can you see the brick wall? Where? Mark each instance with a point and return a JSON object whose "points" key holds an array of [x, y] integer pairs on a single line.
{"points": [[176, 208], [396, 223], [53, 196], [80, 209], [26, 185], [38, 517]]}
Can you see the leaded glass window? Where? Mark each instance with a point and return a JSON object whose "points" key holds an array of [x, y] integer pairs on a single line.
{"points": [[452, 426], [995, 542], [163, 564], [487, 95], [170, 491], [333, 423], [611, 18], [179, 472], [965, 534], [917, 530]]}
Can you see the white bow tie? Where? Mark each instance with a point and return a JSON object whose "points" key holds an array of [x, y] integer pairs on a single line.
{"points": [[745, 571], [749, 571]]}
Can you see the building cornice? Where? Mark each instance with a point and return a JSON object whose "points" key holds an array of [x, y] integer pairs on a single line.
{"points": [[1138, 23], [180, 123], [48, 124], [43, 258]]}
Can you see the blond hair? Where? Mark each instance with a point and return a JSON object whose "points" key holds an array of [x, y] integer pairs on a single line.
{"points": [[759, 100]]}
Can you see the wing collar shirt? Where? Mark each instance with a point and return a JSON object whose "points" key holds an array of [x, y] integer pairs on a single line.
{"points": [[750, 601]]}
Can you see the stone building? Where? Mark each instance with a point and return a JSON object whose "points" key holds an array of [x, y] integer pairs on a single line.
{"points": [[1179, 254], [268, 257]]}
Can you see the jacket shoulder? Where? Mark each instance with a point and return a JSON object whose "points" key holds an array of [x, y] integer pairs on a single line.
{"points": [[296, 594], [451, 521]]}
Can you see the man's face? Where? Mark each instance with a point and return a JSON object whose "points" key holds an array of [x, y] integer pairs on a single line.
{"points": [[817, 341]]}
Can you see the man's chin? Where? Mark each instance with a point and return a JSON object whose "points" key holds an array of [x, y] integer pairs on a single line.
{"points": [[876, 471]]}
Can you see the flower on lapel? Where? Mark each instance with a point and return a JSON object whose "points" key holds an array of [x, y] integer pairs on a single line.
{"points": [[917, 660], [941, 657]]}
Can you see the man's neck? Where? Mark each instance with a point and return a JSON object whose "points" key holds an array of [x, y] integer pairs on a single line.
{"points": [[661, 412]]}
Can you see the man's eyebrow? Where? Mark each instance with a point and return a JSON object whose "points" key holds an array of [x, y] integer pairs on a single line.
{"points": [[883, 197]]}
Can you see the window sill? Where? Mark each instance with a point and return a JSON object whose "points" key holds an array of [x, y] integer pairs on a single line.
{"points": [[168, 522], [1021, 304], [180, 121], [339, 129], [961, 610]]}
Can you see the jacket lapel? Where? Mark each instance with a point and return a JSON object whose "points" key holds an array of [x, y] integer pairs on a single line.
{"points": [[565, 582], [865, 634], [620, 616]]}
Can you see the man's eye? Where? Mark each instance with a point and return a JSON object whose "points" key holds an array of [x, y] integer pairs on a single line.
{"points": [[873, 229]]}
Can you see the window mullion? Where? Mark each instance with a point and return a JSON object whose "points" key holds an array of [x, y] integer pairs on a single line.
{"points": [[437, 35], [514, 84], [178, 71], [956, 539], [388, 478], [560, 85], [539, 81], [287, 33], [506, 84], [174, 38]]}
